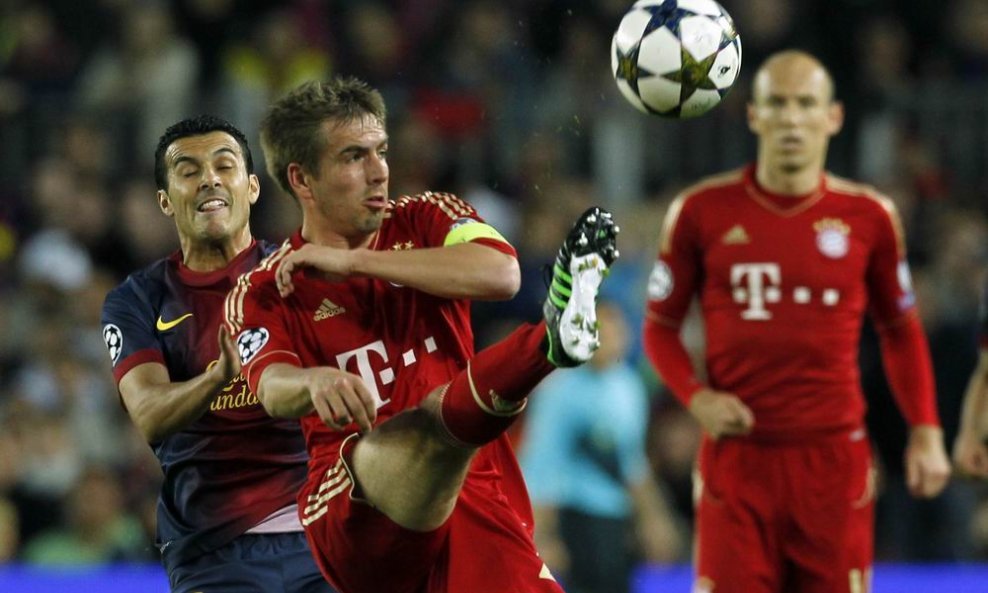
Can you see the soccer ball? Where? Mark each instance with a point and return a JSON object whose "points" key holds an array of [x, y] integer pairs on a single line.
{"points": [[675, 58]]}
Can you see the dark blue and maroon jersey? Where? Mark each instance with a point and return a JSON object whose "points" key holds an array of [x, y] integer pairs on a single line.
{"points": [[234, 466]]}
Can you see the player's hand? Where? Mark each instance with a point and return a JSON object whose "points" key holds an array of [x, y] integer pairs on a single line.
{"points": [[721, 414], [927, 466], [334, 264], [340, 398], [228, 365], [970, 455], [554, 553]]}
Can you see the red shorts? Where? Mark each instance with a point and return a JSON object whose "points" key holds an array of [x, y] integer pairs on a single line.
{"points": [[484, 547], [785, 517]]}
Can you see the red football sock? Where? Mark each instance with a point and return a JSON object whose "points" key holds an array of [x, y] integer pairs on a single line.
{"points": [[484, 399]]}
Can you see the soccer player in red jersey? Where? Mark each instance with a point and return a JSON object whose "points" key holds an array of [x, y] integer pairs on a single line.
{"points": [[785, 260], [359, 325], [226, 520]]}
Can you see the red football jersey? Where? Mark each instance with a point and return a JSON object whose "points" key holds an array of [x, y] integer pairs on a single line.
{"points": [[783, 284], [401, 341]]}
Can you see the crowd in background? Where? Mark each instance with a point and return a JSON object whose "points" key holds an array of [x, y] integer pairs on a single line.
{"points": [[508, 104]]}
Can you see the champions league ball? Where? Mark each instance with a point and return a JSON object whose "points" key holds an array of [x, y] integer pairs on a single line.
{"points": [[675, 58]]}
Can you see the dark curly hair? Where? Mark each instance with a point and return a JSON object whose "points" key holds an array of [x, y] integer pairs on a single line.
{"points": [[196, 126]]}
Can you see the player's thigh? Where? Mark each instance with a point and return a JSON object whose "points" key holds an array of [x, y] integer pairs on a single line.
{"points": [[833, 549], [253, 564], [737, 548], [410, 470], [357, 547], [490, 548], [362, 551]]}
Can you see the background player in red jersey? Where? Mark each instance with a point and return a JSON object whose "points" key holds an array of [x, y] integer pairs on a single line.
{"points": [[786, 259], [360, 326], [226, 513]]}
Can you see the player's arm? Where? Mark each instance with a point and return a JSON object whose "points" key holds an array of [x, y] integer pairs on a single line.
{"points": [[336, 396], [551, 425], [655, 526], [548, 541], [273, 368], [454, 255], [970, 450], [671, 287], [658, 535], [906, 357], [460, 271], [159, 407]]}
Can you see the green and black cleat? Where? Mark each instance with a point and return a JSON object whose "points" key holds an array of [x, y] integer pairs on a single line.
{"points": [[570, 307]]}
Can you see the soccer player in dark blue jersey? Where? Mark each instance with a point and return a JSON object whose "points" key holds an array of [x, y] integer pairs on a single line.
{"points": [[227, 517]]}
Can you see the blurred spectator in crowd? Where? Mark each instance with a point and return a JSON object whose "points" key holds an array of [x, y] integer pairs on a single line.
{"points": [[598, 509], [37, 65], [271, 59], [146, 238], [374, 49], [143, 78], [10, 526], [98, 529]]}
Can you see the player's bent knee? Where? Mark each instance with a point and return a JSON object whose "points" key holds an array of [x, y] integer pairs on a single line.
{"points": [[409, 472]]}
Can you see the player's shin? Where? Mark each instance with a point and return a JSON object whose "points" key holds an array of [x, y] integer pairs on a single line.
{"points": [[483, 400]]}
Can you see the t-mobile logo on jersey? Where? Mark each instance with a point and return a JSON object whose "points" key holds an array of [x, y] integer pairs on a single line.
{"points": [[365, 368], [755, 285]]}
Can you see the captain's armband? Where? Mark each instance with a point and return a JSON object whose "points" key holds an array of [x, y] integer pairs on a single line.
{"points": [[468, 229]]}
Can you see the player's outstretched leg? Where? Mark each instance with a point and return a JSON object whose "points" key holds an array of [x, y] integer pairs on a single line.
{"points": [[485, 398], [570, 307]]}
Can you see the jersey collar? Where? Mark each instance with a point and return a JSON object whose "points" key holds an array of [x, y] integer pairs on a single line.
{"points": [[781, 205], [229, 273]]}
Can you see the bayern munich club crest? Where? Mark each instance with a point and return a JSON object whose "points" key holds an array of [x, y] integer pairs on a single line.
{"points": [[832, 237]]}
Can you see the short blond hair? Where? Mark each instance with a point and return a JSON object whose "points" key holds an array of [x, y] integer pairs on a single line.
{"points": [[290, 130]]}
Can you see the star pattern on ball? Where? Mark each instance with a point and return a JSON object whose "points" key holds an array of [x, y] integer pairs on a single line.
{"points": [[668, 60], [667, 15], [627, 65], [693, 75]]}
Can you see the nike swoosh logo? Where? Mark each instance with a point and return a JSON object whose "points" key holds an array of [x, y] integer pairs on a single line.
{"points": [[164, 326]]}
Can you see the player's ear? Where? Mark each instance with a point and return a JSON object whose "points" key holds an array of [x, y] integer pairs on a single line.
{"points": [[165, 203], [254, 188], [835, 117], [299, 181], [752, 112]]}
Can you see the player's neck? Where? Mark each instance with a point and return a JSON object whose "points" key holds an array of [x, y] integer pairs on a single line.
{"points": [[788, 183], [209, 256], [320, 234]]}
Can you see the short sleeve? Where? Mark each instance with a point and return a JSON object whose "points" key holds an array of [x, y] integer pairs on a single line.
{"points": [[443, 219], [127, 321], [255, 314]]}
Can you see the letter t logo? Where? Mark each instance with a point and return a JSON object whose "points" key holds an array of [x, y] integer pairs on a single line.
{"points": [[755, 285]]}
